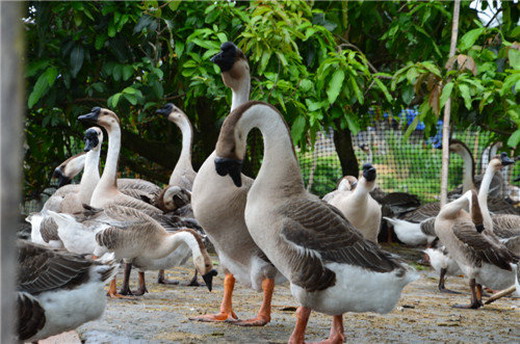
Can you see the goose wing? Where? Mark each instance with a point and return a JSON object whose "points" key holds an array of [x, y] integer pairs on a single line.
{"points": [[428, 227], [318, 233], [488, 250], [31, 316], [506, 225], [42, 269], [422, 213]]}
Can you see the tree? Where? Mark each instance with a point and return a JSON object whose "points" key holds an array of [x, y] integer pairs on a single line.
{"points": [[318, 62]]}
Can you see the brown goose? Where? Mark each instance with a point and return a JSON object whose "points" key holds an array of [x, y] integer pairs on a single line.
{"points": [[219, 208], [479, 254], [319, 251], [57, 291], [359, 207]]}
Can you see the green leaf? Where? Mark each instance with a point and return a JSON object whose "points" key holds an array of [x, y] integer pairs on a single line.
{"points": [[352, 123], [514, 139], [128, 70], [514, 58], [76, 59], [446, 93], [42, 86], [469, 39], [130, 90], [297, 128], [100, 41], [117, 72], [305, 85], [179, 47], [383, 89], [335, 85], [34, 67], [131, 98], [114, 100], [174, 5], [465, 93]]}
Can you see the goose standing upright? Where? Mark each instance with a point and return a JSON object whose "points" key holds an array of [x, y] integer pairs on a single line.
{"points": [[219, 208], [479, 254], [314, 246], [359, 207]]}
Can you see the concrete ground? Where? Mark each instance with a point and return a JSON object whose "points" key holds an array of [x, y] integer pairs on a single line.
{"points": [[423, 315]]}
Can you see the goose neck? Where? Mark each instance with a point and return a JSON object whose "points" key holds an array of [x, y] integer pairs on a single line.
{"points": [[240, 94], [174, 240], [363, 188], [109, 178], [452, 209], [468, 179], [483, 195], [280, 172], [184, 162], [90, 176]]}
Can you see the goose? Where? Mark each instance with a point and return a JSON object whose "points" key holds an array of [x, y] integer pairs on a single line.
{"points": [[219, 208], [182, 176], [183, 173], [310, 242], [479, 254], [359, 207], [57, 291], [347, 183]]}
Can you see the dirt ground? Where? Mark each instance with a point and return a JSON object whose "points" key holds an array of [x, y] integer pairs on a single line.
{"points": [[423, 315]]}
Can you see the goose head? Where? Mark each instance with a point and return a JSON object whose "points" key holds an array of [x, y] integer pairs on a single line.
{"points": [[68, 169], [202, 261], [500, 161], [233, 65], [93, 138], [173, 197], [457, 146], [101, 116], [347, 183], [369, 172], [172, 113]]}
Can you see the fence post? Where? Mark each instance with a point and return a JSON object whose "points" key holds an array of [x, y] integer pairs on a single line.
{"points": [[12, 97], [447, 111]]}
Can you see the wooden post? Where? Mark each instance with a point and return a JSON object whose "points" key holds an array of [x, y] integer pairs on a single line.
{"points": [[447, 111], [12, 43]]}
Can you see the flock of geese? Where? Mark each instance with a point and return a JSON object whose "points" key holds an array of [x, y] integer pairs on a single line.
{"points": [[265, 231]]}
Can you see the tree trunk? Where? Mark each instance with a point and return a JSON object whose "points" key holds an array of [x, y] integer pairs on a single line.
{"points": [[207, 135], [12, 99], [345, 151]]}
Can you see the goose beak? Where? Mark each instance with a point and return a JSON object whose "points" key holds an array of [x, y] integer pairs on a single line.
{"points": [[91, 116], [62, 179], [506, 160], [369, 172], [165, 110], [208, 278], [226, 58], [225, 166]]}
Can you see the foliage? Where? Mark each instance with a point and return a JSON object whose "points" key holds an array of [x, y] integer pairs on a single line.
{"points": [[318, 62]]}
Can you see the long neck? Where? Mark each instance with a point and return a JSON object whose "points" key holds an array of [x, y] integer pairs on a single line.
{"points": [[483, 195], [90, 176], [280, 172], [240, 94], [362, 189], [468, 182], [109, 178], [184, 162], [173, 240], [452, 209]]}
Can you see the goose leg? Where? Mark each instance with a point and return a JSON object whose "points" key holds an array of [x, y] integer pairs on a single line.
{"points": [[112, 291], [264, 314], [161, 279], [226, 308], [442, 279], [302, 317], [476, 302], [337, 335], [125, 288], [194, 282], [142, 285]]}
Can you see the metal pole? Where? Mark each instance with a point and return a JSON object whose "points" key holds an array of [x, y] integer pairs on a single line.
{"points": [[12, 98], [447, 111]]}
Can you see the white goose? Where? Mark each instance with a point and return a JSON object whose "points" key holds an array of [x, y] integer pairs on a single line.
{"points": [[323, 256], [219, 208], [358, 206], [57, 291]]}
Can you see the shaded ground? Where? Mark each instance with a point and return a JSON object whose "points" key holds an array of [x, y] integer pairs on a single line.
{"points": [[423, 315]]}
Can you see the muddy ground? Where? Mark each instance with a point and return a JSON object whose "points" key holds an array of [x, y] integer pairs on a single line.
{"points": [[423, 315]]}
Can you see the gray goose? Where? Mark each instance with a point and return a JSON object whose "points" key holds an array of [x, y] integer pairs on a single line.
{"points": [[57, 291], [219, 208], [310, 242], [479, 254]]}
